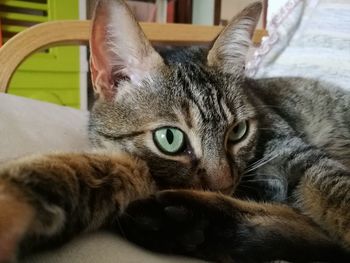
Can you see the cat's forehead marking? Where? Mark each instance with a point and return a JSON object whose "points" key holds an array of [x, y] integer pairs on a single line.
{"points": [[187, 114], [229, 116], [187, 119], [202, 91]]}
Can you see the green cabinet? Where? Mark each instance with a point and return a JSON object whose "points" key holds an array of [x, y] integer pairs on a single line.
{"points": [[51, 75]]}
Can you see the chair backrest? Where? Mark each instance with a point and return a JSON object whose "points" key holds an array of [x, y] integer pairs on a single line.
{"points": [[55, 33]]}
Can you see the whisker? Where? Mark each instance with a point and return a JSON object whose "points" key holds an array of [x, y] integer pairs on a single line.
{"points": [[266, 129], [259, 161], [255, 163], [248, 175], [260, 174], [259, 164], [267, 105], [260, 180]]}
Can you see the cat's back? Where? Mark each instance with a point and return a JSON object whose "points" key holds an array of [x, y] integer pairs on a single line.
{"points": [[319, 111]]}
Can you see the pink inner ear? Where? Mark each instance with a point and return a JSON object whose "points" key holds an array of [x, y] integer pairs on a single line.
{"points": [[101, 70], [119, 48]]}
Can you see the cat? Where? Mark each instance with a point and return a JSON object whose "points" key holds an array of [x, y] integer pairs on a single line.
{"points": [[194, 157]]}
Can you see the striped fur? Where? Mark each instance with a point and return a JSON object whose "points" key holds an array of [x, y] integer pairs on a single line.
{"points": [[55, 197]]}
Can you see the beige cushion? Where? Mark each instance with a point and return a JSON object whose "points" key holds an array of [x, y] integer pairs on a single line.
{"points": [[28, 126], [103, 247]]}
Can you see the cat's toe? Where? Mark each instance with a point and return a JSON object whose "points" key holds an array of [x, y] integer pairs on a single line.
{"points": [[145, 214], [164, 222]]}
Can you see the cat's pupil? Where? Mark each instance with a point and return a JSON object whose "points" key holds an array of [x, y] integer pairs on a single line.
{"points": [[169, 136], [236, 128]]}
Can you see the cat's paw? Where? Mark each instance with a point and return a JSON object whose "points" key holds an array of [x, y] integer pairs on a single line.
{"points": [[15, 218], [181, 221], [222, 229]]}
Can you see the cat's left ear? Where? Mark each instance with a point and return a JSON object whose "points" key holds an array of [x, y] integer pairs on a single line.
{"points": [[230, 48]]}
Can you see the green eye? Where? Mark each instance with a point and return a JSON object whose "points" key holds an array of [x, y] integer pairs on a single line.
{"points": [[238, 132], [169, 140]]}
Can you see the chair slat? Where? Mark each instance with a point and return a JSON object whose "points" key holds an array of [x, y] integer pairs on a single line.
{"points": [[54, 33]]}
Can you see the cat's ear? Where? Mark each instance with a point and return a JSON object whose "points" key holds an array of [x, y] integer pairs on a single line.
{"points": [[119, 48], [230, 48]]}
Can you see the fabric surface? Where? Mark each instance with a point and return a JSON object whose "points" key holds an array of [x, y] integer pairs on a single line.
{"points": [[30, 127], [315, 45], [103, 247]]}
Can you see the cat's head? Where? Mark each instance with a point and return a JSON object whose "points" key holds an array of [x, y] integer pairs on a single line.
{"points": [[186, 113]]}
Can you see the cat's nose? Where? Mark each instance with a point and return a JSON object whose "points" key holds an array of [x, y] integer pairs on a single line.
{"points": [[217, 178]]}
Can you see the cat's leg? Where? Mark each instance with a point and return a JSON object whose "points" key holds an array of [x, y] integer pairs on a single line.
{"points": [[323, 194], [318, 184], [220, 228], [50, 198]]}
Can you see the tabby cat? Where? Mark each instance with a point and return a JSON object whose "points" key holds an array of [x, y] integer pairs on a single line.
{"points": [[195, 158]]}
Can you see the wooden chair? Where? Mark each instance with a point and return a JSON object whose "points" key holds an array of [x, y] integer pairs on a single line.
{"points": [[50, 34]]}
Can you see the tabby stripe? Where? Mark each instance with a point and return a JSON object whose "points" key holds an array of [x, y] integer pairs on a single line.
{"points": [[183, 77], [122, 136], [304, 151], [216, 102]]}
